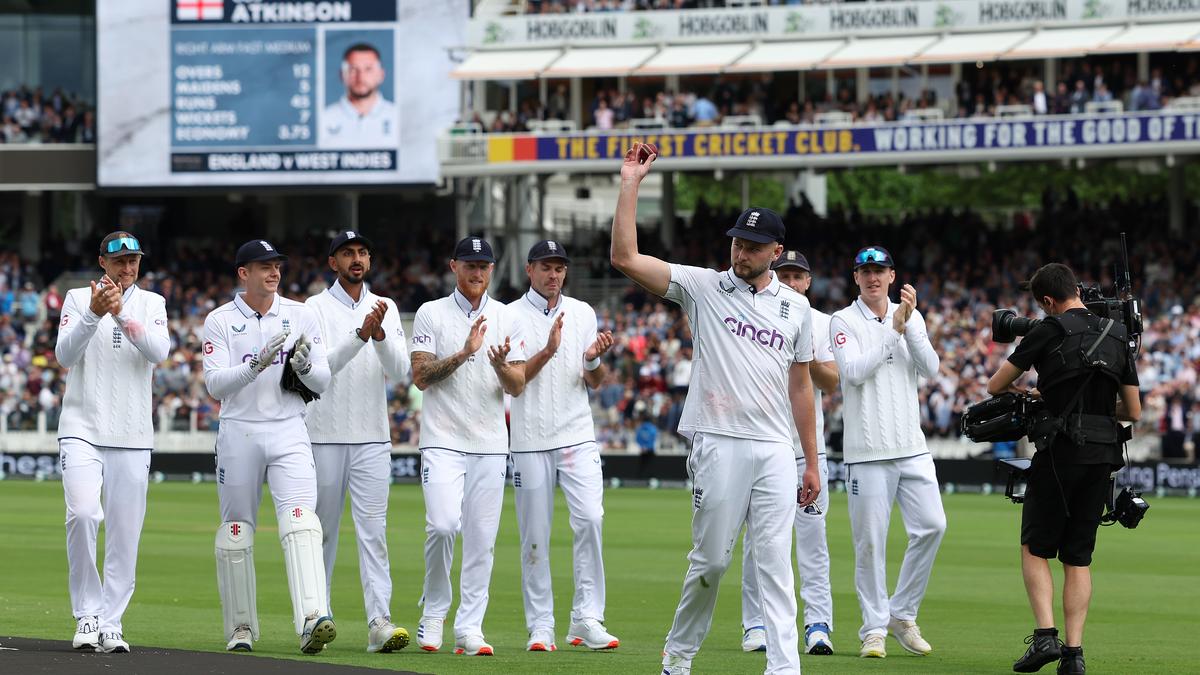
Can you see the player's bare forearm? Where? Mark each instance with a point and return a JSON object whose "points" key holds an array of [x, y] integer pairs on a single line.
{"points": [[512, 377], [429, 370], [536, 362], [825, 375], [647, 271], [595, 378]]}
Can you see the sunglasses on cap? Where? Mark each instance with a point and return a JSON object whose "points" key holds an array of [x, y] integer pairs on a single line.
{"points": [[872, 255], [128, 243]]}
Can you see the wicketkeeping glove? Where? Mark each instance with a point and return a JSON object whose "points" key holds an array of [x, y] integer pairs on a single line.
{"points": [[300, 361], [262, 360], [292, 382]]}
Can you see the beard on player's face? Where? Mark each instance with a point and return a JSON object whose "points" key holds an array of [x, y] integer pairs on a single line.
{"points": [[747, 270], [473, 277]]}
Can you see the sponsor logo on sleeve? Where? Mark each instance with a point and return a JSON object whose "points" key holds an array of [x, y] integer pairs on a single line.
{"points": [[208, 347], [839, 339]]}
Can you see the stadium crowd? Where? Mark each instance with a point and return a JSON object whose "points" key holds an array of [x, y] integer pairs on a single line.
{"points": [[961, 268], [978, 93], [31, 116]]}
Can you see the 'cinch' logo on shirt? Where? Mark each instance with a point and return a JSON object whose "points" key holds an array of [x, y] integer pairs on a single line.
{"points": [[760, 335]]}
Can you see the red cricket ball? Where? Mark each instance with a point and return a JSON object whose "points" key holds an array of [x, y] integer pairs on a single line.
{"points": [[645, 151]]}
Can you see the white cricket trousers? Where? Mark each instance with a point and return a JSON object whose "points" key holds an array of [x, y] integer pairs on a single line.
{"points": [[577, 470], [873, 487], [463, 493], [249, 451], [123, 474], [736, 480], [364, 470], [812, 561]]}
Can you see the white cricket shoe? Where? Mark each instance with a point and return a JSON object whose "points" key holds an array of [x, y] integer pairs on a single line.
{"points": [[384, 637], [590, 633], [87, 633], [908, 634], [816, 639], [472, 645], [755, 639], [318, 632], [676, 665], [873, 647], [429, 634], [242, 640], [541, 640], [111, 643]]}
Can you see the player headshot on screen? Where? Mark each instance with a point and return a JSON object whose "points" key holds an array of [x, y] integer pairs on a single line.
{"points": [[362, 117]]}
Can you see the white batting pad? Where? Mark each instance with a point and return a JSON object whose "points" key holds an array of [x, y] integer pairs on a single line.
{"points": [[300, 535], [235, 576]]}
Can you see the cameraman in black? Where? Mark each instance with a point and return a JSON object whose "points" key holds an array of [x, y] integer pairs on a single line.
{"points": [[1083, 364]]}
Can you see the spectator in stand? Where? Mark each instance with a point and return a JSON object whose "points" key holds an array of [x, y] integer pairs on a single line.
{"points": [[1062, 99], [1040, 105], [1079, 98], [1102, 94], [603, 115], [26, 117], [704, 112], [1144, 97], [679, 115]]}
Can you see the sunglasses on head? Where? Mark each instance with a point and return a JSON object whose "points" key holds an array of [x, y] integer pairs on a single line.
{"points": [[127, 243], [871, 255]]}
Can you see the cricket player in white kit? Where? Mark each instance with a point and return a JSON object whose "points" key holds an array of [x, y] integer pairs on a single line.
{"points": [[812, 546], [464, 441], [753, 344], [553, 442], [262, 433], [881, 349], [110, 337], [348, 425]]}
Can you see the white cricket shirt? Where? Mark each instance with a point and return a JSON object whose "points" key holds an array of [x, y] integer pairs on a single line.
{"points": [[354, 407], [822, 353], [465, 411], [879, 367], [110, 362], [342, 126], [744, 344], [234, 333], [553, 412]]}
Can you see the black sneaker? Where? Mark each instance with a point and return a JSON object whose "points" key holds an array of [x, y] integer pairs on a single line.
{"points": [[1072, 661], [1044, 647]]}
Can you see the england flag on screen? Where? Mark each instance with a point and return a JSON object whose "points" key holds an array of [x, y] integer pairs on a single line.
{"points": [[199, 10]]}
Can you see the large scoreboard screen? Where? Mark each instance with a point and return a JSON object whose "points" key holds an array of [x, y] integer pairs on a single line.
{"points": [[253, 92]]}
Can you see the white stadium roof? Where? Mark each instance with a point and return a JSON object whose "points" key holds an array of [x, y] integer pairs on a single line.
{"points": [[599, 62], [743, 57]]}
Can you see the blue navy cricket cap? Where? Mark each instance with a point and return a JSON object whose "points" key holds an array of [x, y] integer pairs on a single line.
{"points": [[792, 259], [544, 250], [258, 250], [873, 255], [474, 248], [347, 237], [761, 225]]}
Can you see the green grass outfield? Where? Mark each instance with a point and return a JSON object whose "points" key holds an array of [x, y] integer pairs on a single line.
{"points": [[1143, 617]]}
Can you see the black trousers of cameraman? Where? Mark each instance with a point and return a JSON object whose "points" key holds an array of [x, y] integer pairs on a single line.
{"points": [[1062, 509]]}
